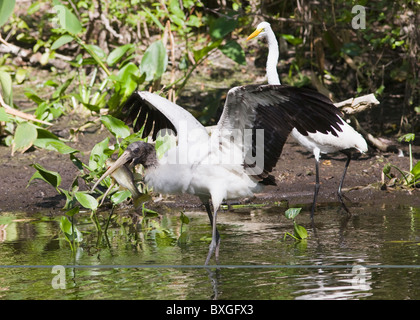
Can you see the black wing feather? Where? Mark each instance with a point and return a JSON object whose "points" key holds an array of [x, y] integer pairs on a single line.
{"points": [[137, 112], [277, 109]]}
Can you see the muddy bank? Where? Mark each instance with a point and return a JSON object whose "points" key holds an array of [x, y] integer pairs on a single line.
{"points": [[295, 174]]}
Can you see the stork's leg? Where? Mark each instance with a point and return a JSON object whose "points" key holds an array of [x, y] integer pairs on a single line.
{"points": [[348, 154], [210, 214], [215, 239], [316, 187]]}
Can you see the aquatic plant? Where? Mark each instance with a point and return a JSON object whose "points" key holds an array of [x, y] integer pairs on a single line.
{"points": [[299, 232], [407, 179]]}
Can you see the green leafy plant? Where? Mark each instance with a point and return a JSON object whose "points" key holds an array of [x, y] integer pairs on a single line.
{"points": [[77, 199], [183, 237], [299, 232], [53, 107], [218, 29], [93, 100], [128, 77], [70, 231], [408, 178]]}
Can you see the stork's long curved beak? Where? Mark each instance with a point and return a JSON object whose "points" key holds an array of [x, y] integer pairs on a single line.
{"points": [[254, 34], [123, 159]]}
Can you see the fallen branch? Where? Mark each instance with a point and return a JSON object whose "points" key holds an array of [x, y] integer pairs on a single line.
{"points": [[108, 27], [60, 61], [20, 114], [380, 144], [356, 105]]}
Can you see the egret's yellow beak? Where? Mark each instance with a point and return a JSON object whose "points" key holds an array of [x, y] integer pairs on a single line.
{"points": [[254, 34]]}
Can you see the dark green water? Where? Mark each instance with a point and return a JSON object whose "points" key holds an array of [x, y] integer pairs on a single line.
{"points": [[374, 254]]}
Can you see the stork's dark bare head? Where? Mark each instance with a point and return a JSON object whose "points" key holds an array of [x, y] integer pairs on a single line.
{"points": [[138, 152]]}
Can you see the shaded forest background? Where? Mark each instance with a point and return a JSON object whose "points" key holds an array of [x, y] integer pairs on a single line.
{"points": [[86, 57]]}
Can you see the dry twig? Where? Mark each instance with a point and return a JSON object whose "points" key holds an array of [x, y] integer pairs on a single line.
{"points": [[20, 114]]}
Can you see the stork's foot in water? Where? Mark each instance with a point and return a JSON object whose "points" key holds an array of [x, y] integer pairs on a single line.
{"points": [[343, 205], [213, 248]]}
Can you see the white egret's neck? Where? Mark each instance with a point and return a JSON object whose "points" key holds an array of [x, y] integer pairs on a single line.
{"points": [[273, 57]]}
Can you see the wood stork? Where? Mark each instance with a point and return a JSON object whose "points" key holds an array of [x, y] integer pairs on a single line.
{"points": [[236, 158], [344, 140]]}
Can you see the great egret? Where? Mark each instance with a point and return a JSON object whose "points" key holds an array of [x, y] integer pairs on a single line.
{"points": [[236, 158], [317, 142]]}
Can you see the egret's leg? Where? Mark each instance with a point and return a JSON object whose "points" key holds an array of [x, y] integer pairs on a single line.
{"points": [[316, 187], [348, 154]]}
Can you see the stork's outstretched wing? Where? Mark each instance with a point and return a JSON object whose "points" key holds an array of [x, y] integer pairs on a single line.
{"points": [[155, 113], [277, 109]]}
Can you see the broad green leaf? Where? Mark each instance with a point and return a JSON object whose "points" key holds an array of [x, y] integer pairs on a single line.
{"points": [[97, 54], [184, 218], [300, 232], [99, 154], [127, 80], [120, 196], [51, 177], [91, 48], [51, 83], [20, 75], [154, 61], [117, 127], [130, 72], [292, 39], [3, 115], [118, 53], [70, 230], [65, 225], [136, 136], [25, 135], [73, 211], [177, 16], [409, 137], [292, 213], [194, 21], [54, 145], [416, 171], [222, 26], [61, 41], [33, 96], [86, 200], [45, 134], [6, 10], [199, 54], [79, 164], [234, 51], [7, 88], [68, 20]]}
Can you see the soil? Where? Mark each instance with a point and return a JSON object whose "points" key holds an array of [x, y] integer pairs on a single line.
{"points": [[294, 174]]}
